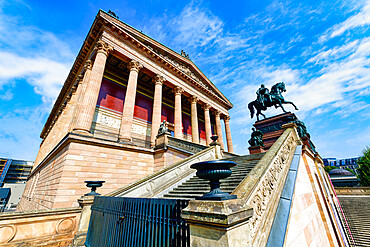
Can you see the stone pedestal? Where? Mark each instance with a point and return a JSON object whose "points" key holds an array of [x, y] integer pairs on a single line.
{"points": [[256, 150], [272, 127], [80, 236], [218, 223], [162, 141]]}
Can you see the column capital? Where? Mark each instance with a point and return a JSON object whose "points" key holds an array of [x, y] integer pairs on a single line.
{"points": [[226, 118], [217, 112], [206, 107], [134, 65], [193, 99], [178, 90], [88, 64], [103, 47], [158, 80]]}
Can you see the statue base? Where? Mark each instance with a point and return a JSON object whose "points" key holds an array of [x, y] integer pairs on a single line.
{"points": [[271, 127], [256, 150]]}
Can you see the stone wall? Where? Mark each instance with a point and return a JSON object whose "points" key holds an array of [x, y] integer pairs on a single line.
{"points": [[61, 127], [42, 186], [310, 221], [59, 182], [39, 228], [164, 158]]}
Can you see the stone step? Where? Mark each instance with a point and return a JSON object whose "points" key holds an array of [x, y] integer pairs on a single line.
{"points": [[357, 212], [196, 187], [201, 187]]}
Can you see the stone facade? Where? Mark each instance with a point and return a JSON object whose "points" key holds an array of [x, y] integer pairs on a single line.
{"points": [[104, 123]]}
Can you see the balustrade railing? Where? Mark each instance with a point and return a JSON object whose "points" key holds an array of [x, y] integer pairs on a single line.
{"points": [[125, 221]]}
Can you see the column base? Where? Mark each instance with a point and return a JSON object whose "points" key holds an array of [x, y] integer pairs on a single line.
{"points": [[82, 132], [125, 140]]}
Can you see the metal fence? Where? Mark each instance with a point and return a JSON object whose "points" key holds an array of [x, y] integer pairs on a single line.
{"points": [[125, 221]]}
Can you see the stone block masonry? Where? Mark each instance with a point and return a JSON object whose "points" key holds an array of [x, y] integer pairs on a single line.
{"points": [[59, 182]]}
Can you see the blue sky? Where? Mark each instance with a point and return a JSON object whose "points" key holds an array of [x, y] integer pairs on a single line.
{"points": [[321, 50]]}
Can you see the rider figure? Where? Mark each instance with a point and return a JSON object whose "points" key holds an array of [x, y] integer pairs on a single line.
{"points": [[262, 94]]}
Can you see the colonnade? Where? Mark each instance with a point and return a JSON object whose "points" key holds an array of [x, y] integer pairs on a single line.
{"points": [[92, 81]]}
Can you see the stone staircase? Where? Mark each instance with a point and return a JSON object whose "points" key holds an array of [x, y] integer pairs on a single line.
{"points": [[195, 186], [357, 212]]}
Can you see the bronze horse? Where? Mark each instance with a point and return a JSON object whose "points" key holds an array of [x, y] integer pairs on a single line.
{"points": [[277, 100]]}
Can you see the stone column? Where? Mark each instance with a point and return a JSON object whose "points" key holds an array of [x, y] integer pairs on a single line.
{"points": [[207, 120], [219, 129], [82, 82], [128, 107], [157, 107], [178, 112], [93, 80], [194, 119], [229, 141]]}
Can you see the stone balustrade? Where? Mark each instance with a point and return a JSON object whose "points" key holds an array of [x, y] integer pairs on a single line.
{"points": [[244, 221]]}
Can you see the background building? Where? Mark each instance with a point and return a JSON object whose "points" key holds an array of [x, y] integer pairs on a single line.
{"points": [[350, 163], [13, 178]]}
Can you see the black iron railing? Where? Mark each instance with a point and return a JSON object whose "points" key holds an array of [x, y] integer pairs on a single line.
{"points": [[124, 221]]}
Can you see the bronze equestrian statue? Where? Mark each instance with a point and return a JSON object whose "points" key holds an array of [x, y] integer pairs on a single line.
{"points": [[266, 98]]}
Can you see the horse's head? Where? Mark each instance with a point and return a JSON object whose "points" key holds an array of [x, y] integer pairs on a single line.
{"points": [[278, 88], [281, 86]]}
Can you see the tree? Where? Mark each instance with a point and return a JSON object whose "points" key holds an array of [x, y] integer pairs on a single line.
{"points": [[350, 170], [364, 168]]}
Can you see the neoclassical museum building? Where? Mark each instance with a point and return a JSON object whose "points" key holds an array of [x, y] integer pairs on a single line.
{"points": [[105, 121]]}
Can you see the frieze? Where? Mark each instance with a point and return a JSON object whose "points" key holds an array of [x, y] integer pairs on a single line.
{"points": [[141, 130], [271, 128], [180, 66], [108, 121], [269, 182]]}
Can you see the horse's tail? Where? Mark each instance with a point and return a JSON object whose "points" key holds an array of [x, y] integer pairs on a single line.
{"points": [[251, 108]]}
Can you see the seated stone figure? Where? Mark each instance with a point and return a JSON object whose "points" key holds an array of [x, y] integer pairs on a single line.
{"points": [[163, 128], [256, 138]]}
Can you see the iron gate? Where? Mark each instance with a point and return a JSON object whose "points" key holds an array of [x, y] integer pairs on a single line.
{"points": [[126, 221]]}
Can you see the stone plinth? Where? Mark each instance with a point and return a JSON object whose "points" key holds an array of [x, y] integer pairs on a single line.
{"points": [[256, 150], [271, 127], [218, 223], [85, 203]]}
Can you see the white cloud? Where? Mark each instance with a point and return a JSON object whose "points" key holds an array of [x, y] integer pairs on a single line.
{"points": [[196, 26], [19, 131], [349, 73], [8, 95], [44, 74], [362, 18], [34, 55], [38, 57]]}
